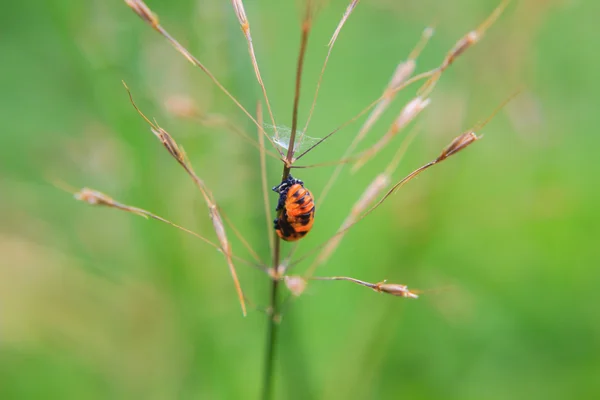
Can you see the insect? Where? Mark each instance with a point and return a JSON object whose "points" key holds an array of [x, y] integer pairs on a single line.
{"points": [[297, 210]]}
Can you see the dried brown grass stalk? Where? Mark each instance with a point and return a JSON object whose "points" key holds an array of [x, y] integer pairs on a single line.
{"points": [[365, 110], [185, 108], [263, 179], [399, 81], [372, 197], [241, 237], [401, 74], [238, 6], [96, 198], [332, 41], [215, 216], [374, 190], [144, 12], [410, 111], [306, 27], [432, 76], [459, 143]]}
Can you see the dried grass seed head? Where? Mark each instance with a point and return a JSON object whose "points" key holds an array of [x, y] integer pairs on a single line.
{"points": [[395, 290], [403, 71], [240, 13], [459, 143], [410, 112], [94, 197], [295, 284], [144, 12], [170, 144]]}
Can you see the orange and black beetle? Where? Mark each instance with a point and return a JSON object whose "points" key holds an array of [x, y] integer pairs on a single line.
{"points": [[297, 210]]}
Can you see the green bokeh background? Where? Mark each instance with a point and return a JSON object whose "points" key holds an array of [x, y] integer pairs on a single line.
{"points": [[98, 304]]}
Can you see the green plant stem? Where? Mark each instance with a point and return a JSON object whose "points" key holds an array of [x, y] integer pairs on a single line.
{"points": [[273, 316], [274, 306], [271, 340]]}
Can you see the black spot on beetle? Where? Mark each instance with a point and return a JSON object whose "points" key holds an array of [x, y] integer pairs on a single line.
{"points": [[283, 224], [301, 200]]}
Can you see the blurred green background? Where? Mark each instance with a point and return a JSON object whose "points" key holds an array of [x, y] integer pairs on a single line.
{"points": [[99, 304]]}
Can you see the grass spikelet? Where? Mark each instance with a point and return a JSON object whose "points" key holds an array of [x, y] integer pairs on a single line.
{"points": [[394, 289], [345, 17], [295, 284], [144, 12]]}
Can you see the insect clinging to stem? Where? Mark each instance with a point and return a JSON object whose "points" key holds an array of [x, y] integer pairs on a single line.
{"points": [[296, 209]]}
